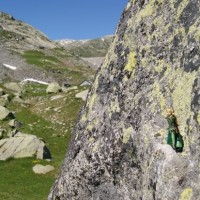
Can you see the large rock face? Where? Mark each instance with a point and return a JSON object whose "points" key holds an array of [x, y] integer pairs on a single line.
{"points": [[118, 149]]}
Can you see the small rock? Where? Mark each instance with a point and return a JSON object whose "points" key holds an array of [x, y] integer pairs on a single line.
{"points": [[53, 88], [41, 169], [13, 123], [82, 95], [23, 145], [5, 113], [3, 102], [14, 87], [1, 92]]}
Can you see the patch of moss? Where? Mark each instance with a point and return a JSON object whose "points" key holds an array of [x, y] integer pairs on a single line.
{"points": [[39, 59]]}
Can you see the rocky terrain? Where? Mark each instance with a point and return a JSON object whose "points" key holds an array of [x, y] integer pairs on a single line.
{"points": [[118, 148]]}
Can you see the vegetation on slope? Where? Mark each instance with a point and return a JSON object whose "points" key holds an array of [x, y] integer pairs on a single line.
{"points": [[50, 117]]}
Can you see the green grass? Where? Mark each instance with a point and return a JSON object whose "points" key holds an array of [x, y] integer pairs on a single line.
{"points": [[18, 181], [41, 60], [6, 35], [34, 90], [58, 62]]}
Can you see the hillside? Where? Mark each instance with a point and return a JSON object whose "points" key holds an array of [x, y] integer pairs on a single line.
{"points": [[35, 56], [92, 52], [88, 48], [118, 148]]}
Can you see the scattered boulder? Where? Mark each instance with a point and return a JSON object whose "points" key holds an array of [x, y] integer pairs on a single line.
{"points": [[82, 95], [14, 87], [41, 169], [53, 88], [5, 113], [18, 99], [2, 133], [7, 97], [13, 123], [70, 88], [23, 145], [86, 83], [3, 102], [1, 92], [12, 133]]}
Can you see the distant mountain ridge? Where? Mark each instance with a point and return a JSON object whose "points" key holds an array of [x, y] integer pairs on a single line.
{"points": [[88, 48]]}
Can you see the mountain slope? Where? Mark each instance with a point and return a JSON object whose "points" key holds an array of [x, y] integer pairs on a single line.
{"points": [[118, 149], [33, 55], [19, 36]]}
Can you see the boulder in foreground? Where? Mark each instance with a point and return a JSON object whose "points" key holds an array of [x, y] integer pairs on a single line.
{"points": [[23, 145]]}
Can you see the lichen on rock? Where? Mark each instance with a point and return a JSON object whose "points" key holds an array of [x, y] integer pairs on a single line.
{"points": [[118, 148]]}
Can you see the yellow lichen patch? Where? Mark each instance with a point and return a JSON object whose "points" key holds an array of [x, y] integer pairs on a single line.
{"points": [[166, 28], [194, 29], [197, 34], [91, 140], [146, 141], [181, 7], [95, 147], [160, 66], [148, 10], [83, 118], [111, 55], [93, 96], [158, 21], [186, 194], [179, 31], [127, 134], [89, 127], [76, 137], [168, 70], [91, 101], [162, 132], [159, 1], [156, 94], [144, 62], [115, 106], [198, 118], [132, 62], [182, 96]]}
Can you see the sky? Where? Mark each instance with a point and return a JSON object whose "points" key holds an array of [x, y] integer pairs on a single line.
{"points": [[68, 19]]}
